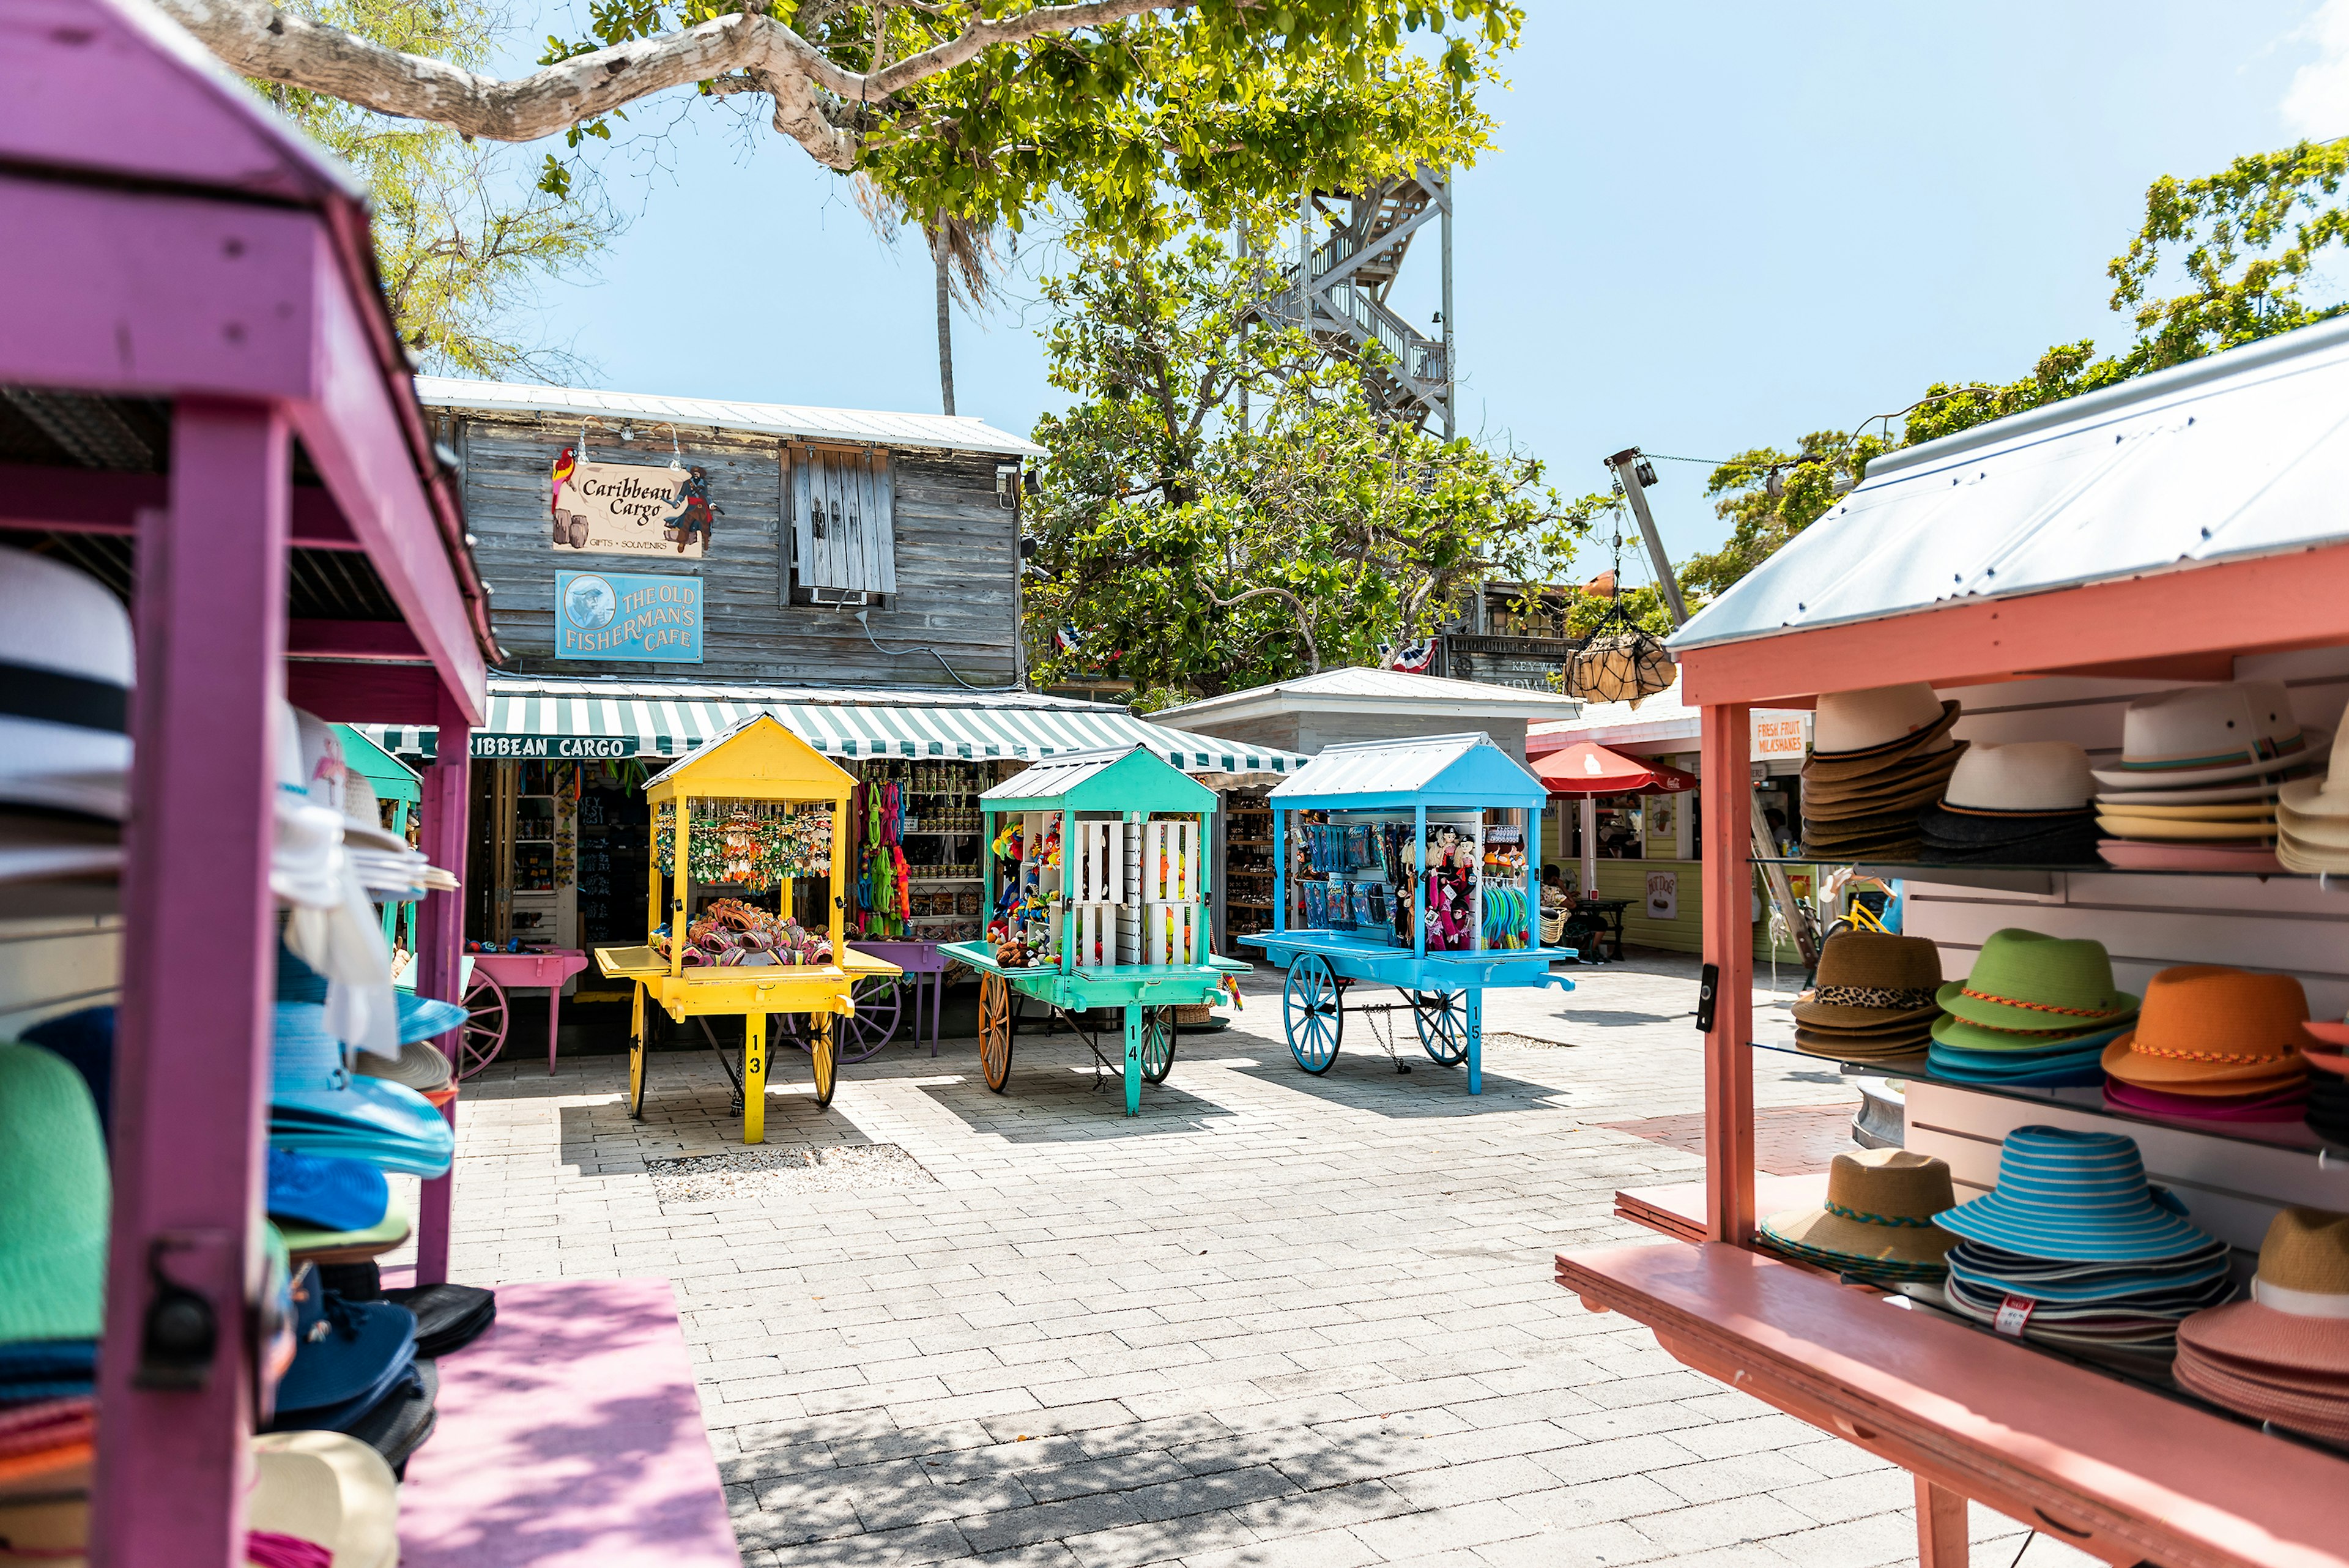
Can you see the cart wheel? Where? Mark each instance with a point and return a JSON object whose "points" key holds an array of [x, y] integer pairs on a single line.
{"points": [[995, 1031], [1312, 1013], [880, 1001], [484, 1031], [827, 1063], [636, 1080], [1158, 1043], [1442, 1019]]}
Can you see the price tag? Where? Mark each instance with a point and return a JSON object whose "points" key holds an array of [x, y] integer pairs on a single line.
{"points": [[2012, 1314]]}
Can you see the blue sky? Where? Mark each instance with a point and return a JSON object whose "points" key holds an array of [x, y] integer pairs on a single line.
{"points": [[1705, 226]]}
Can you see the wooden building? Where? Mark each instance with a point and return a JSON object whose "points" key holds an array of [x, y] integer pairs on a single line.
{"points": [[840, 548]]}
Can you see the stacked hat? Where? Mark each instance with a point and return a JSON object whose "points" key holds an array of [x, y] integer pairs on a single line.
{"points": [[332, 1208], [2327, 1051], [2312, 817], [2282, 1355], [54, 1201], [318, 1106], [2196, 783], [348, 1358], [325, 1490], [2214, 1043], [1873, 1000], [1878, 757], [2075, 1249], [66, 666], [421, 1020], [1877, 1224], [2026, 801], [2036, 1011]]}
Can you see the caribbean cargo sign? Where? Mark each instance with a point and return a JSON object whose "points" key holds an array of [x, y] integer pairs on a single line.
{"points": [[551, 748], [628, 509], [628, 616]]}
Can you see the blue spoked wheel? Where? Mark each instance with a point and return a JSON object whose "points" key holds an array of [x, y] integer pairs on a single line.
{"points": [[1442, 1019], [1312, 1013]]}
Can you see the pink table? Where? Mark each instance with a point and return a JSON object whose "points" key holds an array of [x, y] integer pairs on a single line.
{"points": [[548, 969], [570, 1436]]}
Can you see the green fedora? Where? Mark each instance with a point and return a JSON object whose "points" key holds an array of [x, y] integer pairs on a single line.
{"points": [[2024, 979], [54, 1197]]}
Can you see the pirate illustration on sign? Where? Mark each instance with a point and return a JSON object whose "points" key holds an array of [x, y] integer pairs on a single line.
{"points": [[697, 515]]}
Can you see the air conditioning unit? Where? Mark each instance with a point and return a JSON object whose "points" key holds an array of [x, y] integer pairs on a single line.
{"points": [[849, 598]]}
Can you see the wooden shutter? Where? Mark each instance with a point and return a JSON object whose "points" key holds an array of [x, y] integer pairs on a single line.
{"points": [[844, 519]]}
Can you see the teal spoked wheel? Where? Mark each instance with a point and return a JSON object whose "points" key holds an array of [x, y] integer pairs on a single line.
{"points": [[1312, 1013], [1158, 1043], [1442, 1019]]}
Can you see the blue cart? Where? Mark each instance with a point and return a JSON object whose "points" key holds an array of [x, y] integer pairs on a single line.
{"points": [[1409, 864]]}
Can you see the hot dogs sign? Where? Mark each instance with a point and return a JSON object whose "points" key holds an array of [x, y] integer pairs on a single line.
{"points": [[622, 509]]}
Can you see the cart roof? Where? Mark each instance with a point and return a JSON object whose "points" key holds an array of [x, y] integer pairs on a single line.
{"points": [[758, 759], [1117, 778], [1447, 771]]}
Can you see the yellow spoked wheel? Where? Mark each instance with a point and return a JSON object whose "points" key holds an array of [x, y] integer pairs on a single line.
{"points": [[637, 1079], [995, 1031], [827, 1063]]}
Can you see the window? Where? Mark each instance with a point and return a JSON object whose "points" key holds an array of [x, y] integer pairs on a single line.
{"points": [[843, 532]]}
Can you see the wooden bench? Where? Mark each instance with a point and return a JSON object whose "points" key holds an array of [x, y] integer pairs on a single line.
{"points": [[2110, 1467], [570, 1436]]}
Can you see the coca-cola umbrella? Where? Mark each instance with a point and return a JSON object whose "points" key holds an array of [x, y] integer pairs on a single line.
{"points": [[1587, 767]]}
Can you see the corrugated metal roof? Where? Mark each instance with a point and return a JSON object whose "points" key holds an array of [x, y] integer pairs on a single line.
{"points": [[946, 431], [1439, 770], [1057, 775], [1365, 688], [2237, 454]]}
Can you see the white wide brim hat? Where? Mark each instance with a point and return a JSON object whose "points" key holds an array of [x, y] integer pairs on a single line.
{"points": [[328, 1489], [2211, 735], [2024, 776], [363, 816], [65, 665], [1848, 722]]}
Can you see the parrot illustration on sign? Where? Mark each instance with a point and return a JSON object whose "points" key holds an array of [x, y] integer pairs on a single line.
{"points": [[566, 464]]}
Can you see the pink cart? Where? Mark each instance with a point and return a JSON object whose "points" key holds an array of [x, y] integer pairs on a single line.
{"points": [[493, 975]]}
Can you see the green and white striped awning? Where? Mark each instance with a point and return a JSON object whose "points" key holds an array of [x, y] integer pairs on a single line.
{"points": [[672, 720]]}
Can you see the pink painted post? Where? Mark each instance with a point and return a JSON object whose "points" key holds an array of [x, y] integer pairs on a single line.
{"points": [[190, 1076], [440, 944], [1726, 790]]}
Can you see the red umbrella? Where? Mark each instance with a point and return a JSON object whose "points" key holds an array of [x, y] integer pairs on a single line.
{"points": [[1587, 767]]}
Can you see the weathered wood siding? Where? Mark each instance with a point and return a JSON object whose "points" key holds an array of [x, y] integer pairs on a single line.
{"points": [[957, 555]]}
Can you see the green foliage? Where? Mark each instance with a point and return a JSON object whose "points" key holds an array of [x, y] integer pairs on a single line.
{"points": [[1192, 554], [460, 238], [2246, 239], [1642, 605], [1207, 112]]}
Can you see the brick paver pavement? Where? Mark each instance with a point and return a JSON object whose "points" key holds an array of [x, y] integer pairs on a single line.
{"points": [[1275, 1322]]}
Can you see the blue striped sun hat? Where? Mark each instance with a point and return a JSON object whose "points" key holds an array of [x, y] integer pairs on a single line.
{"points": [[2076, 1197]]}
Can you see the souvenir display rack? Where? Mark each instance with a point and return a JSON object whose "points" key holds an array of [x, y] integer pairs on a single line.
{"points": [[1409, 864], [754, 812], [1101, 900], [2128, 1471]]}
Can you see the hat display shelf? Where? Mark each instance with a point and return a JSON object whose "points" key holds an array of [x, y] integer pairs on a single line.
{"points": [[748, 773], [211, 413], [2153, 533], [1407, 864], [1099, 899]]}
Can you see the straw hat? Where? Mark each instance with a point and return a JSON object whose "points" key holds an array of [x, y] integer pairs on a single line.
{"points": [[54, 1198], [1884, 724], [363, 814], [2325, 797], [2298, 1316], [1872, 978], [306, 862], [1879, 1210], [325, 1487], [2074, 1196], [2209, 735], [2204, 1028], [2023, 980], [2022, 776]]}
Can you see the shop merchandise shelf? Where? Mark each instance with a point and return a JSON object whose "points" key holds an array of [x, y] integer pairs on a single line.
{"points": [[2295, 1136], [2022, 877]]}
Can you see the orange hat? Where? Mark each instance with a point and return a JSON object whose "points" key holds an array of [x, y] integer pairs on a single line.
{"points": [[2202, 1024]]}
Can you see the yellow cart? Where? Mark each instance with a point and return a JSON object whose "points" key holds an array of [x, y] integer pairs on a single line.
{"points": [[758, 775]]}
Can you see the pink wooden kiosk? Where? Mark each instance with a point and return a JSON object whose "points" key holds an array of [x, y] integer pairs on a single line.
{"points": [[2045, 570], [189, 313]]}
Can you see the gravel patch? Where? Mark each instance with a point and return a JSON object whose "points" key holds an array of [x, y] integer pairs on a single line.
{"points": [[1502, 1038], [754, 1173]]}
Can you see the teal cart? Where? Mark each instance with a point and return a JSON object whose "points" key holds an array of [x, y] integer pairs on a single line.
{"points": [[396, 784], [1411, 864], [1102, 899]]}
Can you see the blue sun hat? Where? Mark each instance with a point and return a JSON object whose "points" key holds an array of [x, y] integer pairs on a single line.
{"points": [[346, 1357], [2078, 1197], [317, 1106], [325, 1194], [420, 1017]]}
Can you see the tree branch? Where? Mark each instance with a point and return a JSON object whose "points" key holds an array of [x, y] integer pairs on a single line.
{"points": [[258, 39], [1304, 626]]}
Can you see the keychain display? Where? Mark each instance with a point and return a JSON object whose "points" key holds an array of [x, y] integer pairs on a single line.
{"points": [[750, 844]]}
